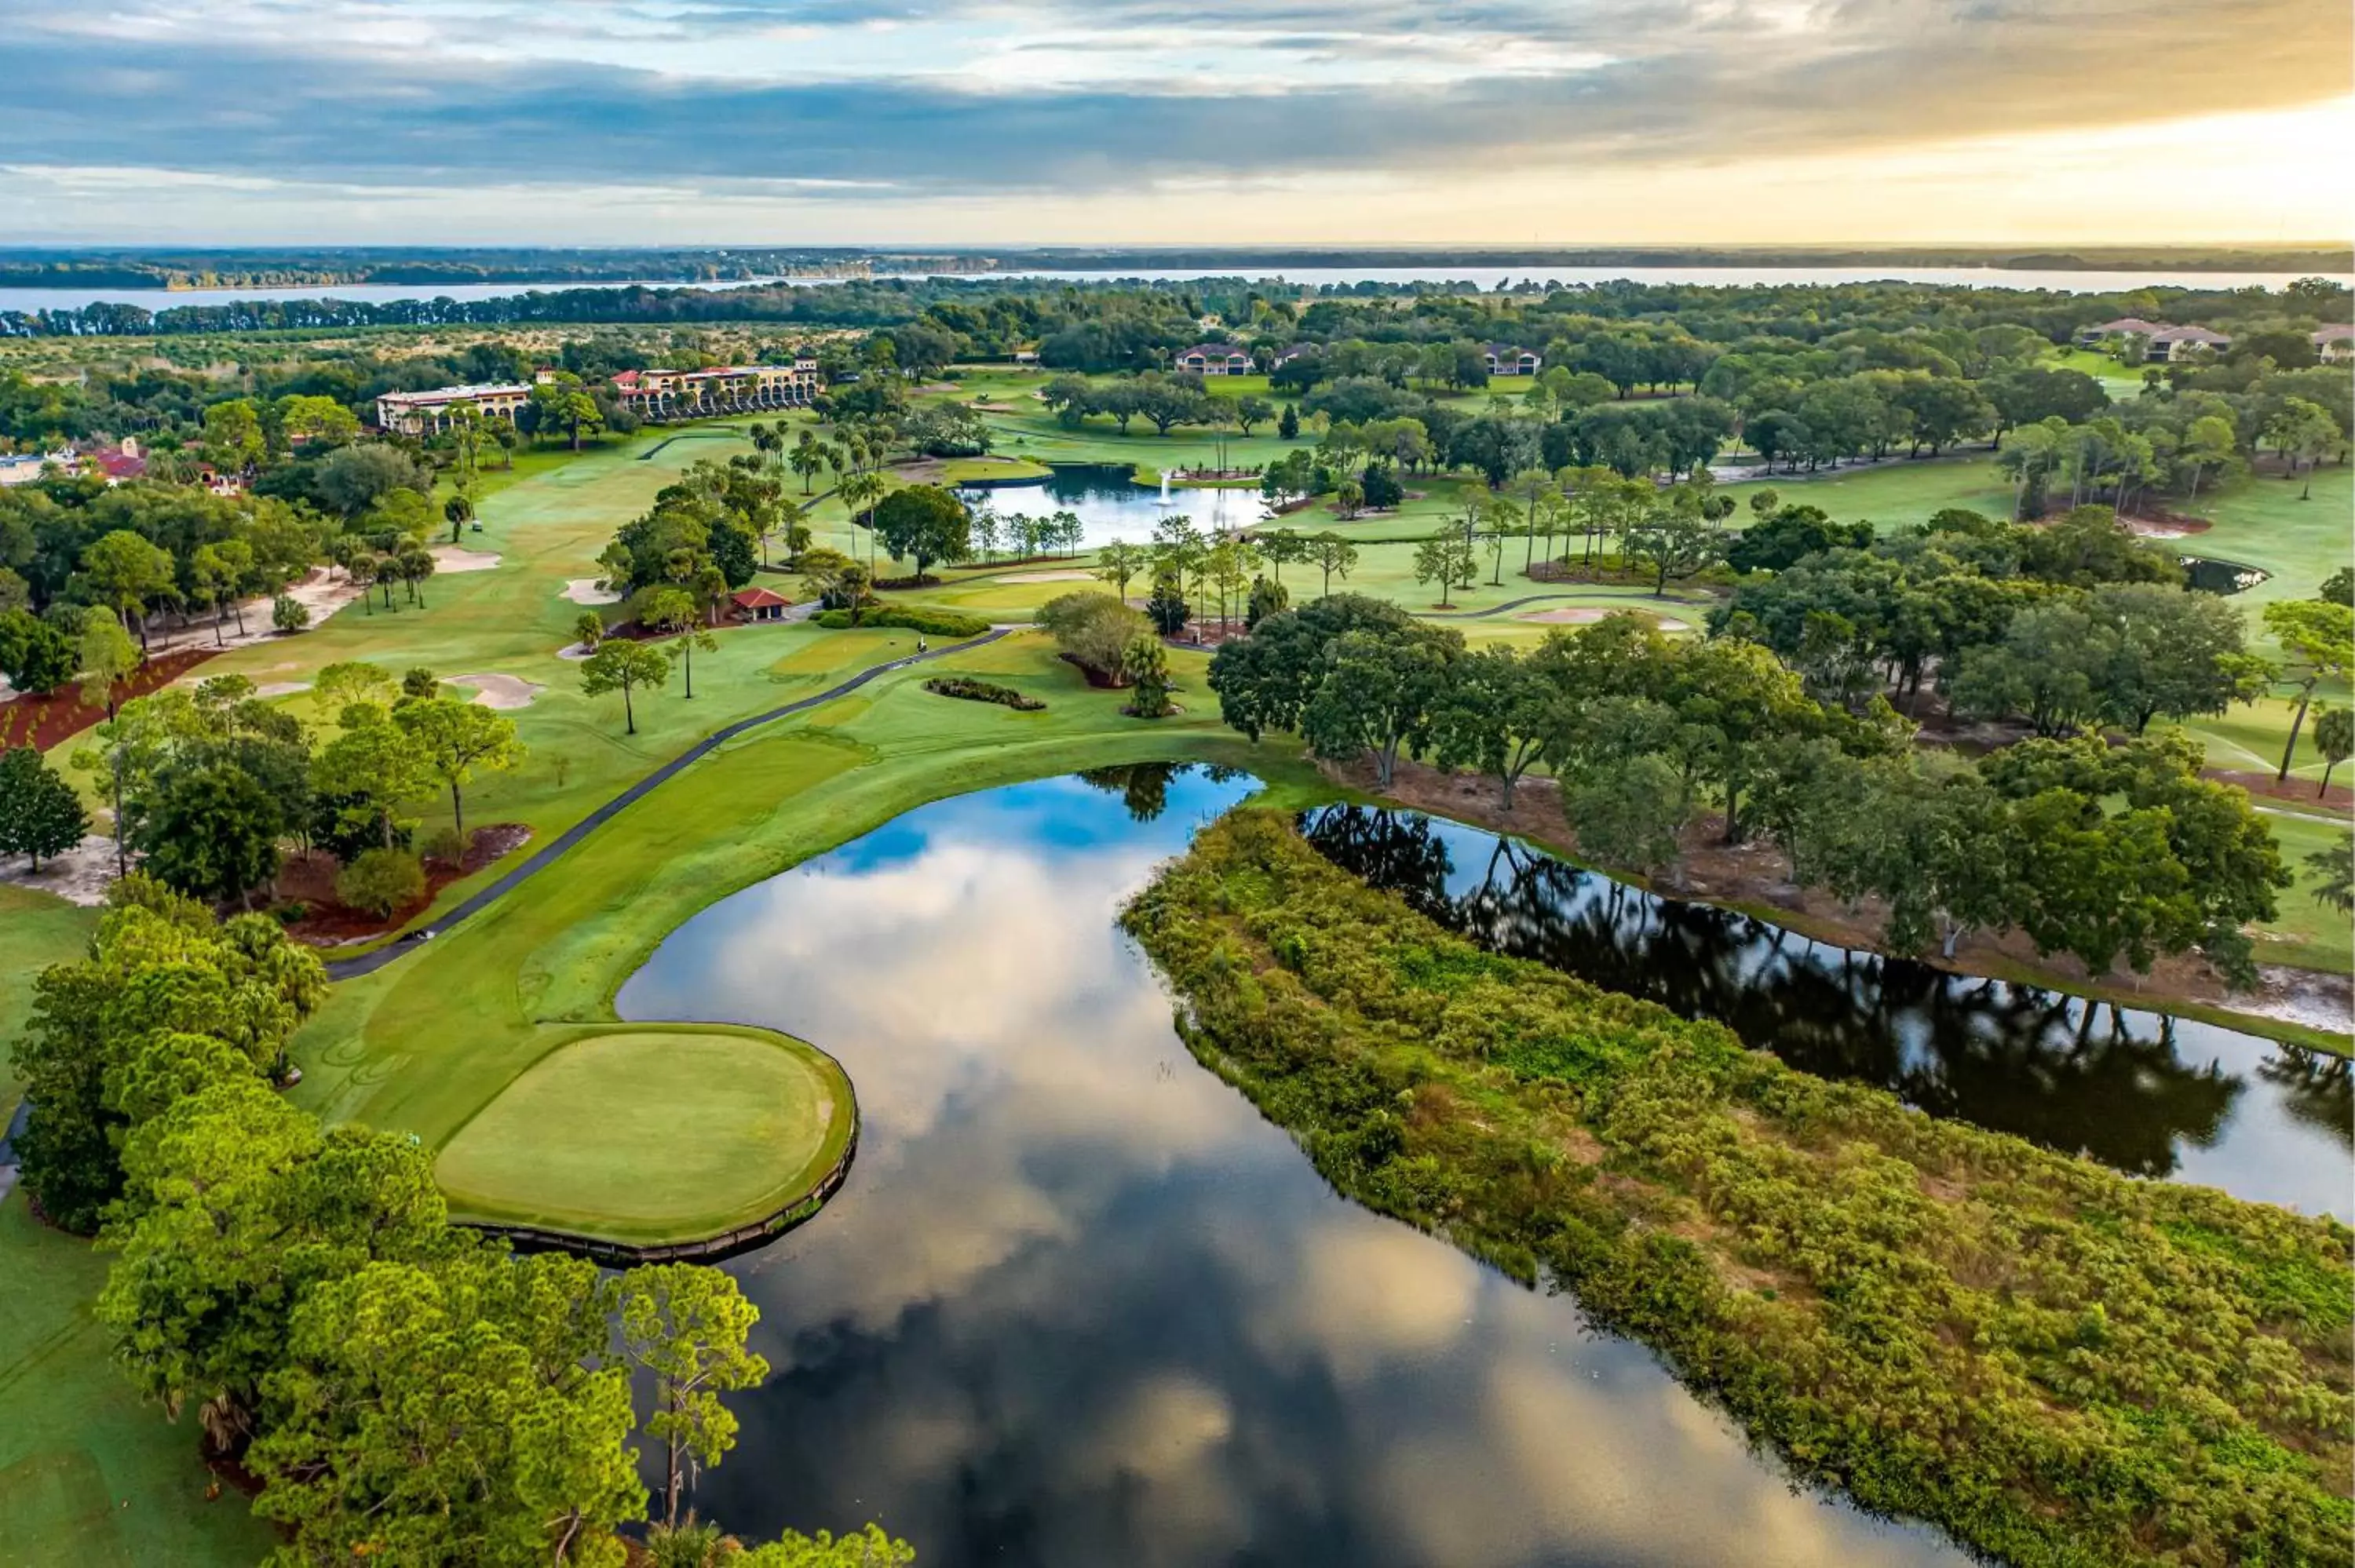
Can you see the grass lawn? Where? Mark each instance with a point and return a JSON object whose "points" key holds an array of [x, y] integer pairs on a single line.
{"points": [[89, 1475], [39, 929], [594, 1137], [382, 1049], [2307, 934], [983, 470]]}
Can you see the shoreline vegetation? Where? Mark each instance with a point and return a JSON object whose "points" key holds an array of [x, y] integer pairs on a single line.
{"points": [[2054, 1362]]}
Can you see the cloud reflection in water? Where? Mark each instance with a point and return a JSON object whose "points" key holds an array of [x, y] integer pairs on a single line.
{"points": [[1080, 1305]]}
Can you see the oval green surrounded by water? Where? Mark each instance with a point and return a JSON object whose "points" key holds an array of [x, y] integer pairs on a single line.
{"points": [[653, 1134]]}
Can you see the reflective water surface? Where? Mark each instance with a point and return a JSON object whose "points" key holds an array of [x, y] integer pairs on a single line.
{"points": [[2147, 1094], [1079, 1306], [1114, 507]]}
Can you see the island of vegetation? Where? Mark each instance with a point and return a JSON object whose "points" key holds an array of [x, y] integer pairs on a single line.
{"points": [[2058, 1363]]}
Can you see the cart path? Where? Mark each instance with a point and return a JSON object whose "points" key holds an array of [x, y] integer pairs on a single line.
{"points": [[369, 963]]}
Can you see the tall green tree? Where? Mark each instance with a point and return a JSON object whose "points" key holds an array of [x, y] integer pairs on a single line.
{"points": [[1497, 715], [425, 1420], [625, 667], [457, 740], [1447, 560], [685, 1327], [925, 522], [212, 832], [40, 815], [369, 770], [1381, 694], [1334, 556], [2318, 635], [2334, 736]]}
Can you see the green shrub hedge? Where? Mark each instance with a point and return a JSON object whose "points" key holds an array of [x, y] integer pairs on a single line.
{"points": [[910, 617], [975, 691]]}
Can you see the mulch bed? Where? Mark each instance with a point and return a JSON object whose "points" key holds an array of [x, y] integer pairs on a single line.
{"points": [[309, 879], [43, 721], [2340, 797]]}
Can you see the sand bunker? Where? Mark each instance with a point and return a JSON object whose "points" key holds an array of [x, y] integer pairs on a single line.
{"points": [[1585, 615], [280, 688], [500, 690], [1066, 576], [575, 651], [588, 590], [458, 558]]}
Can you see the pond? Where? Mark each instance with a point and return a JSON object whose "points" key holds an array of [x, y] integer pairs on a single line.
{"points": [[1078, 1305], [2211, 576], [2146, 1094], [1111, 506]]}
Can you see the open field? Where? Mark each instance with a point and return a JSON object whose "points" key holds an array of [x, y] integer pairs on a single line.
{"points": [[38, 929], [90, 1476], [594, 1137]]}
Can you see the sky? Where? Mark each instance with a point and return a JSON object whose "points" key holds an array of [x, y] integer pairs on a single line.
{"points": [[981, 122]]}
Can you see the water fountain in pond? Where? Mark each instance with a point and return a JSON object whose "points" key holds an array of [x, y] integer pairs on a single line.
{"points": [[1164, 488]]}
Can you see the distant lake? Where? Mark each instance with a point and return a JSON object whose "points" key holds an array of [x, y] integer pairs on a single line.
{"points": [[1482, 276]]}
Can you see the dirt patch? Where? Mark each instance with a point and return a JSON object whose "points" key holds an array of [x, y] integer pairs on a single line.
{"points": [[588, 590], [1756, 875], [500, 690], [458, 558], [81, 875], [2340, 797], [43, 721], [309, 879]]}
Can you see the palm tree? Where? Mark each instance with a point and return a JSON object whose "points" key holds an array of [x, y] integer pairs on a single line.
{"points": [[809, 455]]}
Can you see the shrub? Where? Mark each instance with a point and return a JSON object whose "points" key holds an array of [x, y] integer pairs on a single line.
{"points": [[381, 881], [932, 622], [446, 845], [1094, 630], [975, 691]]}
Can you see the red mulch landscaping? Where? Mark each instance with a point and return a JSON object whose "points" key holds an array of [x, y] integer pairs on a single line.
{"points": [[2256, 783], [43, 721], [309, 879]]}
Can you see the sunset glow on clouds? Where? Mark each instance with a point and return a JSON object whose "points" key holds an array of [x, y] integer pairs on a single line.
{"points": [[986, 121]]}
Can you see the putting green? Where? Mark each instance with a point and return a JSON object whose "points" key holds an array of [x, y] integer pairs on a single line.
{"points": [[653, 1133]]}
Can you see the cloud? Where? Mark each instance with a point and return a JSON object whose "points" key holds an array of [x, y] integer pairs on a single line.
{"points": [[939, 97]]}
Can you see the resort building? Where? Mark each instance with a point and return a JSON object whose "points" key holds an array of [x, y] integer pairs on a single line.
{"points": [[2185, 342], [427, 413], [2161, 343], [1215, 359], [2124, 326], [2334, 345], [722, 389], [1511, 359]]}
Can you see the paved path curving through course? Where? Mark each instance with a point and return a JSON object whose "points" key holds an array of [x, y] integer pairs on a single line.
{"points": [[369, 963]]}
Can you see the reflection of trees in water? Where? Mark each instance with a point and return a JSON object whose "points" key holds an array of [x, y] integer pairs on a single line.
{"points": [[2316, 1087], [2037, 1064], [1142, 787]]}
